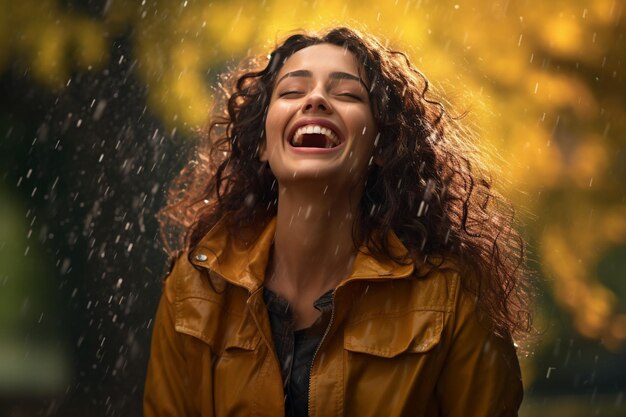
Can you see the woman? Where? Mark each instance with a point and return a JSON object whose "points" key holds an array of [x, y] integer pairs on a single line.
{"points": [[344, 256]]}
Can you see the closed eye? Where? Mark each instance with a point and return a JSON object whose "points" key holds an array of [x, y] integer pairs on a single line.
{"points": [[350, 95], [290, 93]]}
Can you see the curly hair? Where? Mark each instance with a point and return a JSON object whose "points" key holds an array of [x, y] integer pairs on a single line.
{"points": [[427, 186]]}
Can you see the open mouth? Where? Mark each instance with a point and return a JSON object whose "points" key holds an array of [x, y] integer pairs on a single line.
{"points": [[314, 136]]}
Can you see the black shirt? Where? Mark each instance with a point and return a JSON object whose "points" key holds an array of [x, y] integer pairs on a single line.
{"points": [[296, 348]]}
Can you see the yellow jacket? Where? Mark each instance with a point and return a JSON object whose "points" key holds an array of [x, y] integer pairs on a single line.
{"points": [[400, 342]]}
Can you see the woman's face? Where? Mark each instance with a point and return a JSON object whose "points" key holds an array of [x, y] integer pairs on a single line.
{"points": [[319, 124]]}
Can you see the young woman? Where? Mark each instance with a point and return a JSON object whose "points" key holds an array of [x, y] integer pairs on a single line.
{"points": [[343, 255]]}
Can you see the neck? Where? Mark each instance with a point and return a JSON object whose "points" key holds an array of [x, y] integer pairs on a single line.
{"points": [[313, 245]]}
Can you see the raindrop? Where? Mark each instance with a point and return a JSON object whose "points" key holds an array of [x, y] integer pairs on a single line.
{"points": [[322, 357], [97, 114], [487, 347], [420, 210]]}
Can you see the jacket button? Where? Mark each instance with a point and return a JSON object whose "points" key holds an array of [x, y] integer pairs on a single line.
{"points": [[201, 257]]}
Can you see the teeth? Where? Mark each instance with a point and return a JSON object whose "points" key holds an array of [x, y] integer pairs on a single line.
{"points": [[332, 139]]}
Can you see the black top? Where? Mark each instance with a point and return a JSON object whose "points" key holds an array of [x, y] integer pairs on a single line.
{"points": [[295, 348]]}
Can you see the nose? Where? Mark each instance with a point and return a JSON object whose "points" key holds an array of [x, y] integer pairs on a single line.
{"points": [[316, 102]]}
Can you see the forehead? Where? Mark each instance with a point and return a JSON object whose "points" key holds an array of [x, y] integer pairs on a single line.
{"points": [[322, 59]]}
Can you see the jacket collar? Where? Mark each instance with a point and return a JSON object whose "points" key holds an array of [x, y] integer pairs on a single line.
{"points": [[243, 260]]}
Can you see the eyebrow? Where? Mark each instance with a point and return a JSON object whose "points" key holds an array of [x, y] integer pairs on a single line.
{"points": [[337, 75]]}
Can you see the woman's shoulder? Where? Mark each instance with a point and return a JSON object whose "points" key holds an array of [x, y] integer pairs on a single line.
{"points": [[448, 284], [438, 280], [461, 284], [187, 280], [196, 303]]}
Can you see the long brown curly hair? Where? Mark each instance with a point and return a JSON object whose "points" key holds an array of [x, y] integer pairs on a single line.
{"points": [[428, 185]]}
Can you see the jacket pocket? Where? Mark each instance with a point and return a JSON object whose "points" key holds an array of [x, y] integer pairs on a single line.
{"points": [[390, 335]]}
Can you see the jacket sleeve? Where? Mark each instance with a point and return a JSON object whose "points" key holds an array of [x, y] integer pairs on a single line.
{"points": [[167, 391], [481, 375]]}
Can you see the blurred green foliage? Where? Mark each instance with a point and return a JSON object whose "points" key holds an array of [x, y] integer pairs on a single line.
{"points": [[32, 357]]}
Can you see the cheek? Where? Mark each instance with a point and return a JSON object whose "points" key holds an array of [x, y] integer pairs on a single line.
{"points": [[366, 142], [270, 131], [274, 123], [366, 128]]}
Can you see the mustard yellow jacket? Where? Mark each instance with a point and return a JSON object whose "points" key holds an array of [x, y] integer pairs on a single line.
{"points": [[403, 341]]}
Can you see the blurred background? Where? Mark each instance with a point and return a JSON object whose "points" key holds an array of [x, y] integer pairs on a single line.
{"points": [[99, 102]]}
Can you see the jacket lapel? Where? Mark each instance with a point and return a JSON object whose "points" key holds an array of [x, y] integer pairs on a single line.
{"points": [[243, 262]]}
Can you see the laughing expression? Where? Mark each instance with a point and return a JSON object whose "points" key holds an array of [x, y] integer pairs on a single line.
{"points": [[319, 123]]}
